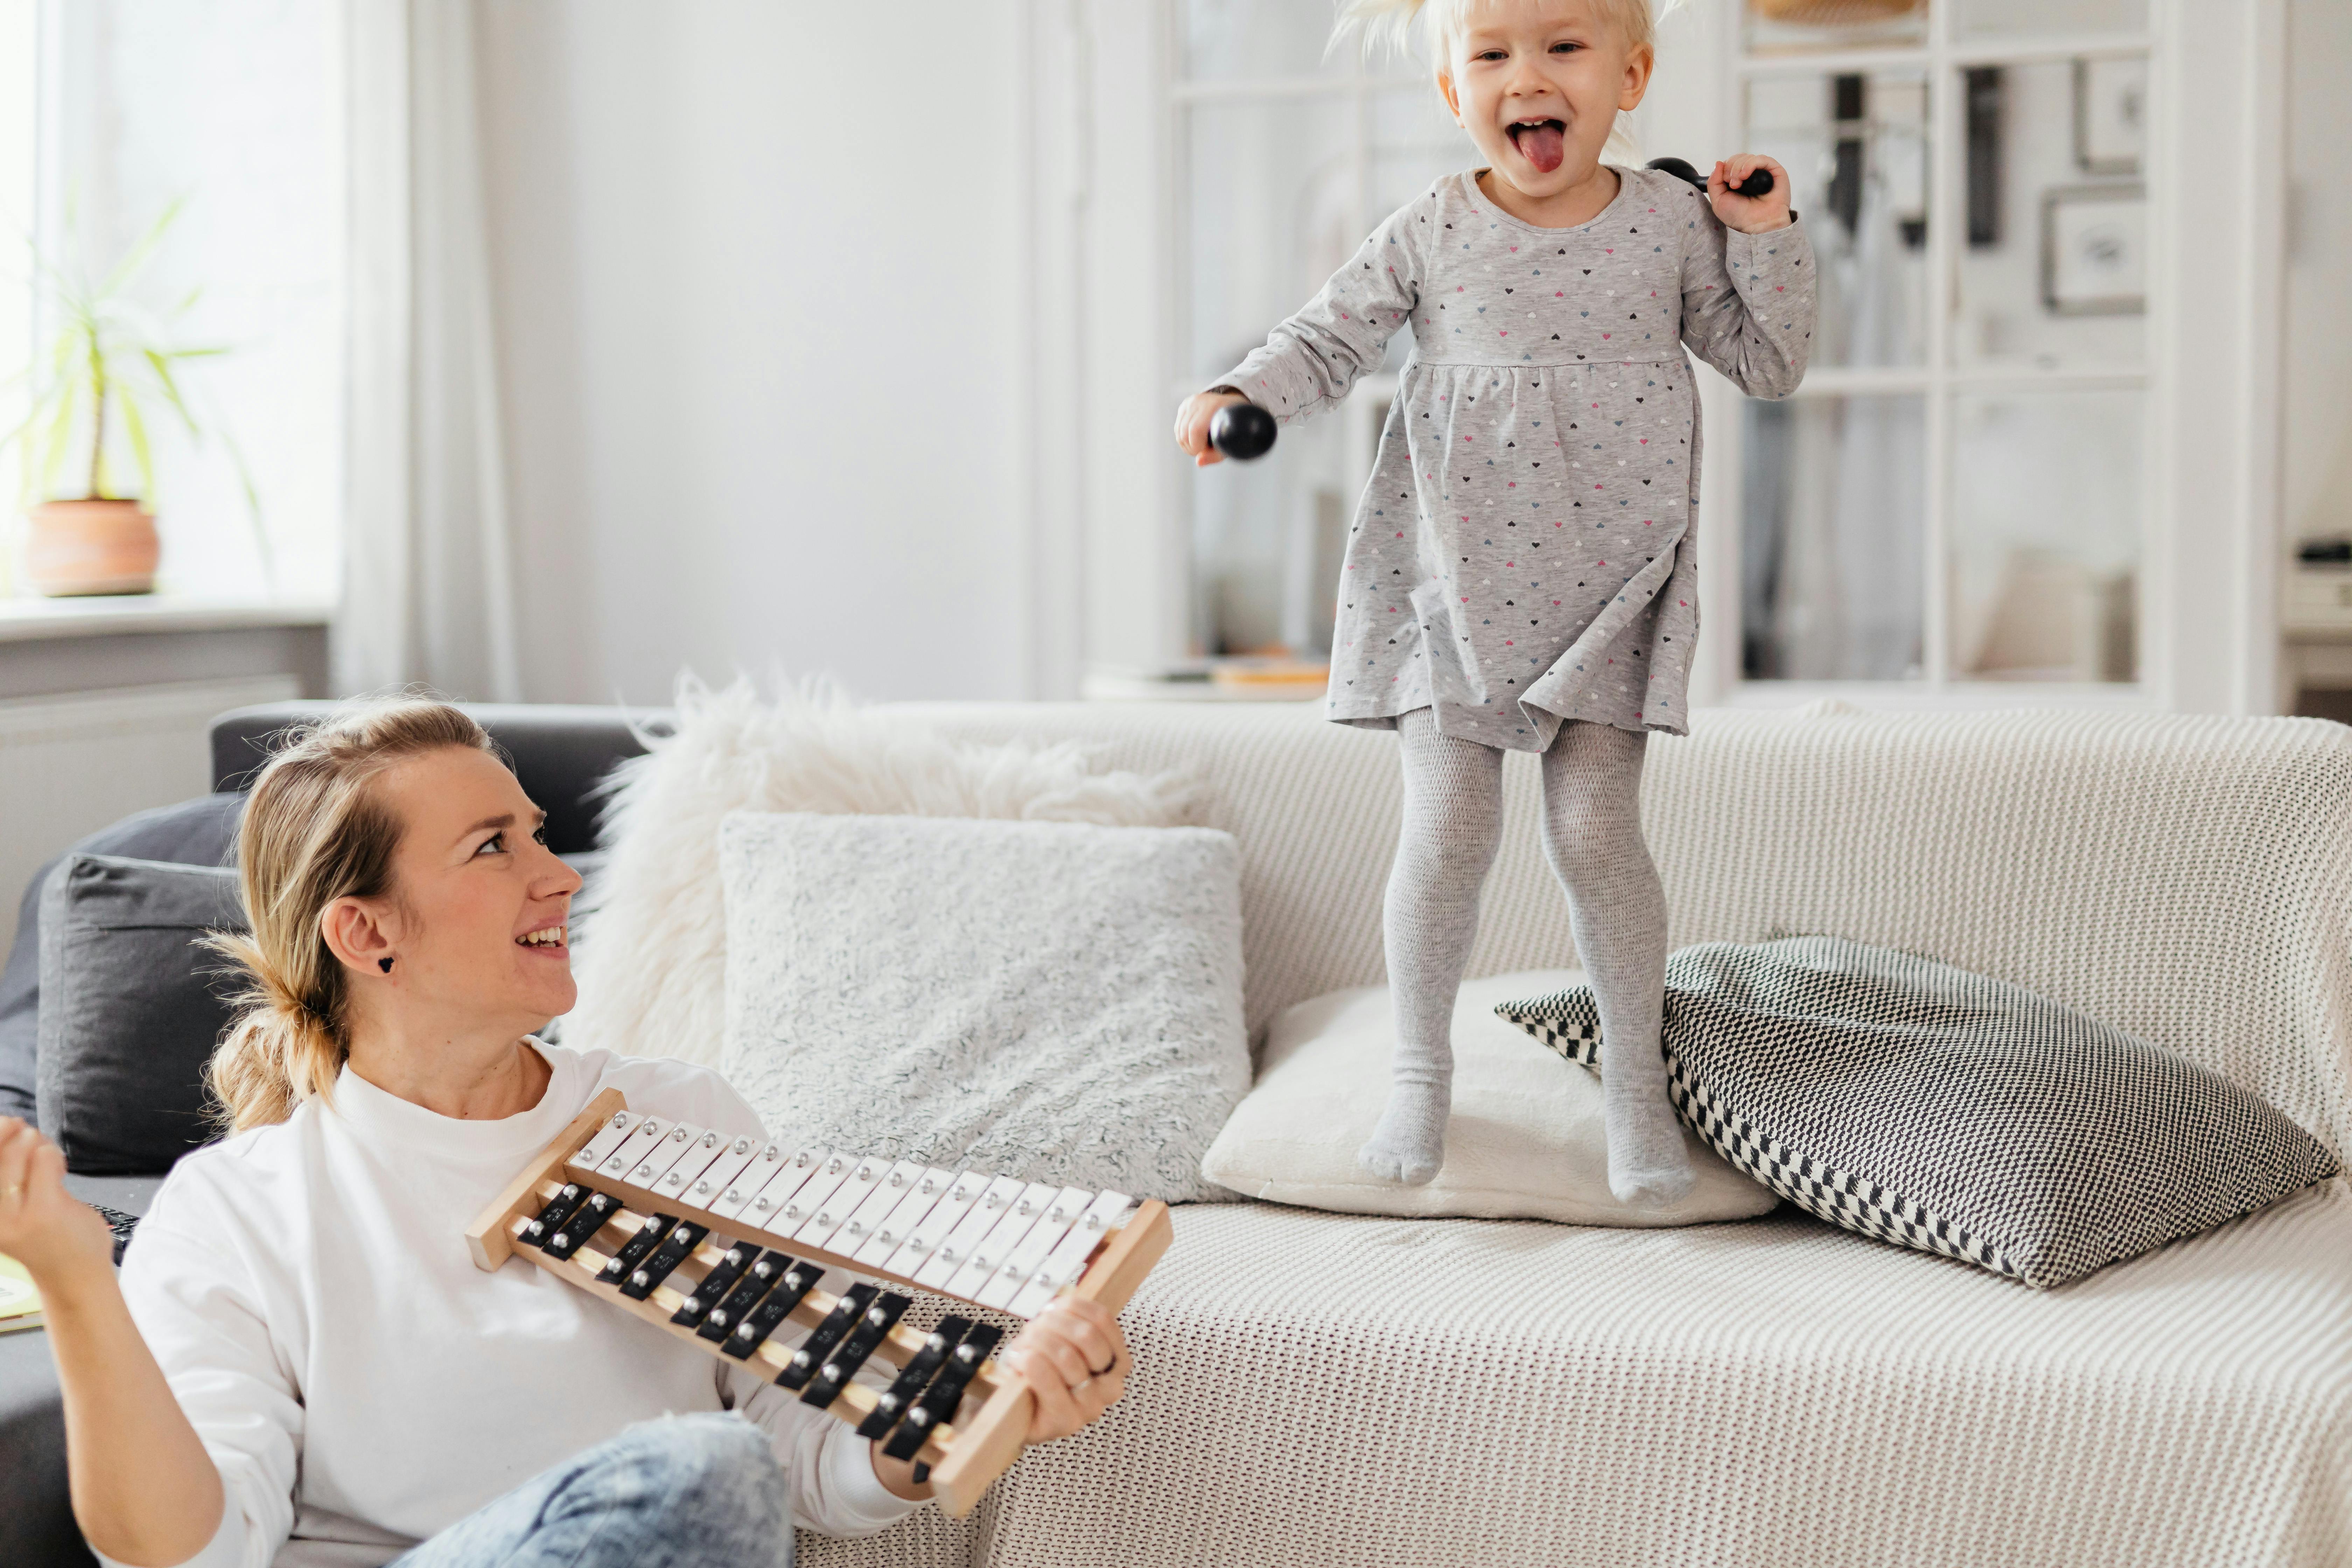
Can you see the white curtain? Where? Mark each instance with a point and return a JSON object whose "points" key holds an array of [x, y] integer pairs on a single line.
{"points": [[428, 591]]}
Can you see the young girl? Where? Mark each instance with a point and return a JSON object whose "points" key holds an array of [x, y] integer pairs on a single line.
{"points": [[1521, 572]]}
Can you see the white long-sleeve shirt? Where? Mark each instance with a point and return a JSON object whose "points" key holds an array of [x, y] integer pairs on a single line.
{"points": [[362, 1385]]}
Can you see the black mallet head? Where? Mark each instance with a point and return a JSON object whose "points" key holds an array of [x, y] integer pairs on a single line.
{"points": [[1242, 430], [1756, 184]]}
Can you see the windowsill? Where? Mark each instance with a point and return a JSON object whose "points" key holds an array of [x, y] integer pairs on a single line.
{"points": [[33, 619]]}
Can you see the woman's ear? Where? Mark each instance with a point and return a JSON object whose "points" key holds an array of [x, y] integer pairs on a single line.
{"points": [[360, 934]]}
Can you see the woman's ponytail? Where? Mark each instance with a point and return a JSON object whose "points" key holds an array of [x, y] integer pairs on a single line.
{"points": [[277, 1053], [313, 831]]}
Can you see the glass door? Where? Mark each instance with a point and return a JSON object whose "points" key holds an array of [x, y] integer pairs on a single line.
{"points": [[1954, 497]]}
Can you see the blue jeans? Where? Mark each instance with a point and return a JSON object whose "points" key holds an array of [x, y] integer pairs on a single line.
{"points": [[687, 1492]]}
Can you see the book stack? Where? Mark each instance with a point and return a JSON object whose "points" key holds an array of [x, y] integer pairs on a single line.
{"points": [[20, 1303]]}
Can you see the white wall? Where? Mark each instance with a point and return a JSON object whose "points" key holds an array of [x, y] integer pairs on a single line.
{"points": [[758, 271]]}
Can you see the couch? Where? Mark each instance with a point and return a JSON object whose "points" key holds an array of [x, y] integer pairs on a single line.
{"points": [[1316, 1388]]}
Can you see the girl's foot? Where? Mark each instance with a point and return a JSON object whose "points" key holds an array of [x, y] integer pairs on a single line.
{"points": [[1409, 1143], [1647, 1165]]}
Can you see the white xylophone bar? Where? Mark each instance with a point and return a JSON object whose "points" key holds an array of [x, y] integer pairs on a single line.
{"points": [[1006, 1244]]}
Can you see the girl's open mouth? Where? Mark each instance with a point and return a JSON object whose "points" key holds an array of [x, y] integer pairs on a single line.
{"points": [[1542, 142]]}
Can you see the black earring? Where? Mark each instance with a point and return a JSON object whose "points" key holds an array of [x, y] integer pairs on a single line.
{"points": [[384, 965]]}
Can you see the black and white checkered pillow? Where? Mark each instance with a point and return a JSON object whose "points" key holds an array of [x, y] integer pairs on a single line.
{"points": [[1936, 1108]]}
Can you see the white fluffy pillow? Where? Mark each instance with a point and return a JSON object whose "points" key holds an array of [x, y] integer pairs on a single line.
{"points": [[652, 938], [1525, 1140], [1052, 1001]]}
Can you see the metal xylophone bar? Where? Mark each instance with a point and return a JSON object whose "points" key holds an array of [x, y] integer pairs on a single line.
{"points": [[1000, 1242], [749, 1228]]}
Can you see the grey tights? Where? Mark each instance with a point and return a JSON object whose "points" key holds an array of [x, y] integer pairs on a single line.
{"points": [[1592, 836]]}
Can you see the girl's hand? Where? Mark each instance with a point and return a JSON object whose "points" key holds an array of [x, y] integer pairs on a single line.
{"points": [[1749, 214], [1192, 428], [1075, 1360], [42, 1226]]}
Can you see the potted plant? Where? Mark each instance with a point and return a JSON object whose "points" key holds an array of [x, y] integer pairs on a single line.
{"points": [[104, 365]]}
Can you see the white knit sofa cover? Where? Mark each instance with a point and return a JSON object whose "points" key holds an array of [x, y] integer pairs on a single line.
{"points": [[1318, 1388]]}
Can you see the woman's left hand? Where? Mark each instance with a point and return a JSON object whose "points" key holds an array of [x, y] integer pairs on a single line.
{"points": [[1074, 1360], [1749, 214]]}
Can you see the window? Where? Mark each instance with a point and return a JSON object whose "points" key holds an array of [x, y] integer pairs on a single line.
{"points": [[20, 34], [232, 107]]}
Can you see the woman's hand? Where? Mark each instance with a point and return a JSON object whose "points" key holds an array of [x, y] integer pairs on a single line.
{"points": [[1075, 1360], [54, 1235], [1192, 418], [1749, 214]]}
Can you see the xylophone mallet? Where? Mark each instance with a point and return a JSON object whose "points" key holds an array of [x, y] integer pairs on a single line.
{"points": [[1758, 184]]}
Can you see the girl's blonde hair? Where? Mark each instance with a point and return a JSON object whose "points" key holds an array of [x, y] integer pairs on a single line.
{"points": [[1393, 23], [315, 829]]}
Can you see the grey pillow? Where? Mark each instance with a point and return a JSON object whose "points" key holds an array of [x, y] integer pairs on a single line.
{"points": [[1936, 1108], [132, 1005], [199, 832]]}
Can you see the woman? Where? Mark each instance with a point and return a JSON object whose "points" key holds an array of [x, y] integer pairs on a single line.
{"points": [[300, 1364]]}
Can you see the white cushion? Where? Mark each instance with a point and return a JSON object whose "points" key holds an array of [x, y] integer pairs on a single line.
{"points": [[1053, 1001], [1525, 1142]]}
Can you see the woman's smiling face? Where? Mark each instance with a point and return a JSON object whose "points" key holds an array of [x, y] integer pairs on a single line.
{"points": [[482, 905], [1538, 84]]}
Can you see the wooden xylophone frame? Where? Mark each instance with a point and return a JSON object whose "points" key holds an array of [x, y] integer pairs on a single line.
{"points": [[965, 1458]]}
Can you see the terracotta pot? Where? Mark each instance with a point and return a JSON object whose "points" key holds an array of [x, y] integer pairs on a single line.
{"points": [[92, 547]]}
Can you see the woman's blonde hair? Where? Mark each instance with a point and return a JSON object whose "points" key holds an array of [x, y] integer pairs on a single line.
{"points": [[1393, 23], [315, 829]]}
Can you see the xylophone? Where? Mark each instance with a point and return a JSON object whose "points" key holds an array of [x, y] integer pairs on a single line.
{"points": [[722, 1241]]}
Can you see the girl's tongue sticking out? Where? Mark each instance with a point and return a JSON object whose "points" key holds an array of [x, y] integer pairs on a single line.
{"points": [[1543, 142]]}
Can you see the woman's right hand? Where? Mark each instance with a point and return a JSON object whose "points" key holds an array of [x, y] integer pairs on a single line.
{"points": [[1192, 418], [53, 1233]]}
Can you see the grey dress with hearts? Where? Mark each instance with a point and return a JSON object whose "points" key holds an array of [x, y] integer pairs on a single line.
{"points": [[1524, 554]]}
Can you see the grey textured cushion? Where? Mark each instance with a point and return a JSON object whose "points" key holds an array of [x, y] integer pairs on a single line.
{"points": [[1054, 1001], [1936, 1108], [132, 1006], [199, 832]]}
